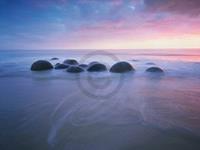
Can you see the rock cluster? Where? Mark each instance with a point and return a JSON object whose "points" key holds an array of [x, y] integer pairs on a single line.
{"points": [[72, 66]]}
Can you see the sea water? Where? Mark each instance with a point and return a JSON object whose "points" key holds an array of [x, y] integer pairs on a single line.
{"points": [[56, 110]]}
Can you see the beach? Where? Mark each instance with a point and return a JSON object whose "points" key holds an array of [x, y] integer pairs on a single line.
{"points": [[56, 110]]}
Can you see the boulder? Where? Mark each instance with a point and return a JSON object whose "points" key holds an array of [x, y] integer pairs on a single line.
{"points": [[61, 66], [93, 62], [97, 67], [154, 69], [135, 60], [54, 58], [121, 67], [70, 62], [75, 69], [150, 63], [41, 65], [83, 65]]}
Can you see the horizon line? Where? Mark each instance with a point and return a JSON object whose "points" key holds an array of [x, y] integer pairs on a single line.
{"points": [[100, 49]]}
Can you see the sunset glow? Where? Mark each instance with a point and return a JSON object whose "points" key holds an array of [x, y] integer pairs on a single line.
{"points": [[82, 24]]}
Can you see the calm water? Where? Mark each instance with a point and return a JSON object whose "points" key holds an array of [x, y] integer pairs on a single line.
{"points": [[54, 110]]}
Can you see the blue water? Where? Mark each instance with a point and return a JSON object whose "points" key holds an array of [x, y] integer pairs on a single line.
{"points": [[18, 62], [55, 110]]}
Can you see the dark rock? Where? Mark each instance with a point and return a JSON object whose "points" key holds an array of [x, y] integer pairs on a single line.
{"points": [[75, 69], [83, 65], [135, 60], [97, 67], [61, 66], [154, 69], [121, 67], [54, 58], [150, 63], [41, 65], [94, 62], [71, 62]]}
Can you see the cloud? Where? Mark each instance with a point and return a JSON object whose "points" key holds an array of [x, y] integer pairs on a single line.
{"points": [[189, 7], [77, 22]]}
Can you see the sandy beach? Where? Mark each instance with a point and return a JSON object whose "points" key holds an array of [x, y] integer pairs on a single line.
{"points": [[138, 110]]}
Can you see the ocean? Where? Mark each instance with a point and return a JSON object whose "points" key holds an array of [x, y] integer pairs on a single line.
{"points": [[56, 110]]}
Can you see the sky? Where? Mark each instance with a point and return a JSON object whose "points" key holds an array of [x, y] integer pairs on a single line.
{"points": [[99, 24]]}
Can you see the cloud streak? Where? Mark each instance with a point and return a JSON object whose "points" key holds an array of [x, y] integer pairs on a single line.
{"points": [[188, 7]]}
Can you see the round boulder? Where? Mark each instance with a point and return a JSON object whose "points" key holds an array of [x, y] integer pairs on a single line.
{"points": [[121, 67], [93, 62], [97, 67], [75, 69], [135, 60], [83, 65], [61, 66], [154, 69], [70, 62], [54, 58], [41, 65], [150, 63]]}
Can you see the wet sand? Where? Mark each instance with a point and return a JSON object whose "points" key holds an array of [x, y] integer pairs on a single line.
{"points": [[144, 114]]}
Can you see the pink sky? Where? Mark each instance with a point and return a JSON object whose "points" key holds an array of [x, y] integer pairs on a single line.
{"points": [[109, 24]]}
